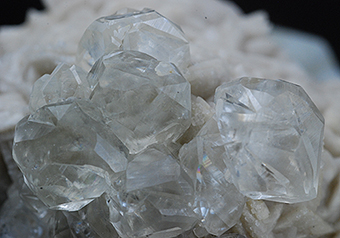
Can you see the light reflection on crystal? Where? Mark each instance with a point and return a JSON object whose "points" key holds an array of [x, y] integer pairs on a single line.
{"points": [[276, 138], [217, 201]]}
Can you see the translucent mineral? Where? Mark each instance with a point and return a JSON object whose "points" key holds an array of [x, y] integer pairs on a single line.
{"points": [[154, 196], [146, 101], [145, 31], [103, 150], [217, 201], [67, 153], [273, 138], [64, 82]]}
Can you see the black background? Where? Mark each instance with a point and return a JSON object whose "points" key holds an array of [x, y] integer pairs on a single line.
{"points": [[321, 17]]}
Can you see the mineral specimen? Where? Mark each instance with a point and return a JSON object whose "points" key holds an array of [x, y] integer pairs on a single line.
{"points": [[145, 31], [104, 155], [155, 196], [272, 134]]}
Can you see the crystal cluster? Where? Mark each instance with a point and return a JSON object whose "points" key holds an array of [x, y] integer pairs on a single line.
{"points": [[102, 150]]}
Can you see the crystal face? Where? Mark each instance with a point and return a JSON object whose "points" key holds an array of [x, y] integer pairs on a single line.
{"points": [[145, 31], [145, 100], [273, 138]]}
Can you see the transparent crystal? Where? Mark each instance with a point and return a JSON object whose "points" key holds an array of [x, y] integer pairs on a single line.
{"points": [[92, 221], [273, 137], [102, 155], [146, 101], [64, 82], [217, 201], [146, 31], [67, 154], [154, 196]]}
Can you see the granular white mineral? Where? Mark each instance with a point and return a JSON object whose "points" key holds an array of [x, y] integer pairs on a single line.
{"points": [[117, 146], [272, 133]]}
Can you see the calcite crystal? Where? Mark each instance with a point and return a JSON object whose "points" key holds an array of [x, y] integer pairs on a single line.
{"points": [[103, 150], [68, 154], [217, 201], [145, 31], [272, 134], [64, 82], [145, 100]]}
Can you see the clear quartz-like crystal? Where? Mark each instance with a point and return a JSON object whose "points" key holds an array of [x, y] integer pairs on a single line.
{"points": [[217, 202], [67, 154], [146, 31], [154, 198], [64, 82], [273, 138], [146, 101]]}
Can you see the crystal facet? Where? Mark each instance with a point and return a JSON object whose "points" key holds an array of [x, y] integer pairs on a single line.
{"points": [[145, 100], [273, 138], [145, 31]]}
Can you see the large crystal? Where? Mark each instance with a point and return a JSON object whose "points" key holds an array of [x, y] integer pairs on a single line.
{"points": [[145, 31], [146, 101], [67, 153], [273, 138]]}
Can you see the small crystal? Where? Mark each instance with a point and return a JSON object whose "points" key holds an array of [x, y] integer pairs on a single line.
{"points": [[146, 101], [273, 138], [145, 31], [64, 82]]}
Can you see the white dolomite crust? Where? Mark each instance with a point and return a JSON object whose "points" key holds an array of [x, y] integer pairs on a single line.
{"points": [[224, 44]]}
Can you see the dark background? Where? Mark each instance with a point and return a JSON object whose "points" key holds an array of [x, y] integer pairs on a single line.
{"points": [[321, 17]]}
